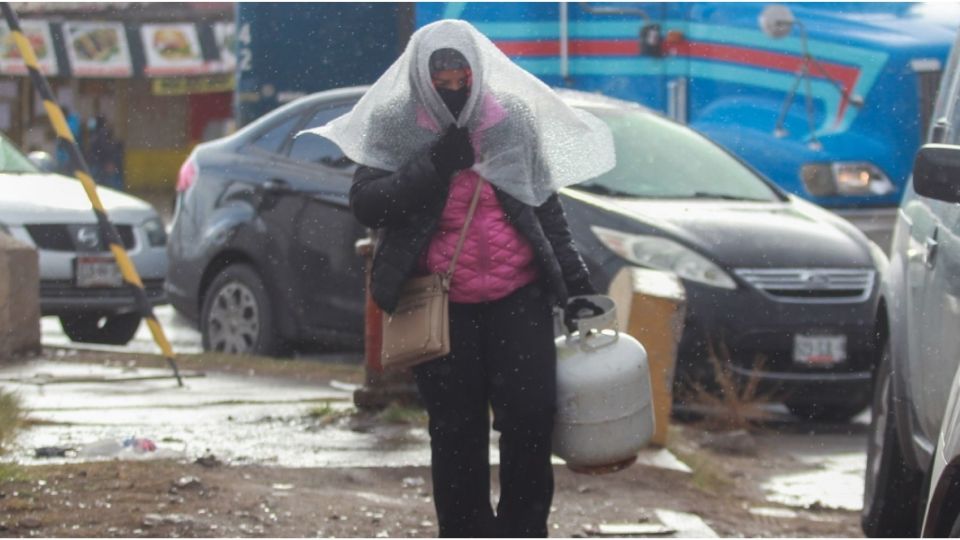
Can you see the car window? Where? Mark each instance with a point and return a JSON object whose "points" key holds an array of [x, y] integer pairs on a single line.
{"points": [[658, 158], [947, 112], [273, 139], [952, 135], [12, 161], [309, 148]]}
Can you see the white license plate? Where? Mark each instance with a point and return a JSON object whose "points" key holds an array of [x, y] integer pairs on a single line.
{"points": [[819, 350], [92, 271]]}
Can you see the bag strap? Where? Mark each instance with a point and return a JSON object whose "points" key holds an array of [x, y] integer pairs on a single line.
{"points": [[466, 224]]}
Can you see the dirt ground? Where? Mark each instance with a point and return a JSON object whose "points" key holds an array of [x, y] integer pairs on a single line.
{"points": [[206, 498]]}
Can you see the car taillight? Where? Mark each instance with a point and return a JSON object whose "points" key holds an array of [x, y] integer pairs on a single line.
{"points": [[188, 173]]}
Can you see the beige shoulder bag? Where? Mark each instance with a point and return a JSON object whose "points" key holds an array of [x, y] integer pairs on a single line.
{"points": [[419, 329]]}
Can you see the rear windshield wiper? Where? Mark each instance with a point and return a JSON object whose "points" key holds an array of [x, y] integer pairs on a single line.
{"points": [[601, 189]]}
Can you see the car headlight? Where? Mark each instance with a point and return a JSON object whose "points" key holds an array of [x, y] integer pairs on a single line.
{"points": [[663, 254], [156, 233], [845, 178]]}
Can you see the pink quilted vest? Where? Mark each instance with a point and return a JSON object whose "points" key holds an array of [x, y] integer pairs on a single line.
{"points": [[496, 259]]}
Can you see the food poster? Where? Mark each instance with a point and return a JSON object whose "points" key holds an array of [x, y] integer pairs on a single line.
{"points": [[38, 34], [97, 49], [226, 35], [172, 49]]}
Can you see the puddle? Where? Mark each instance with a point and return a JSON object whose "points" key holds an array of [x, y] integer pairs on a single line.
{"points": [[767, 511], [833, 479], [838, 487], [237, 418]]}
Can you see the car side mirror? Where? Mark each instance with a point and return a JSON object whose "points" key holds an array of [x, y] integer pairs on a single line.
{"points": [[43, 161], [936, 172], [776, 21]]}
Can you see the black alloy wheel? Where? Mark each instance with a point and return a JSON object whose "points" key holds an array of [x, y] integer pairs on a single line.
{"points": [[892, 490], [99, 328], [237, 314]]}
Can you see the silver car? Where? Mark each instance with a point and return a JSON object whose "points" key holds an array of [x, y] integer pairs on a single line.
{"points": [[79, 280], [912, 481]]}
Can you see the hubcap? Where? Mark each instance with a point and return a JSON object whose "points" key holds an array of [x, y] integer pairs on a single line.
{"points": [[233, 324]]}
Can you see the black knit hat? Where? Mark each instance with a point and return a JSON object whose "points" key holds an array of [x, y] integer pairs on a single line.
{"points": [[444, 59]]}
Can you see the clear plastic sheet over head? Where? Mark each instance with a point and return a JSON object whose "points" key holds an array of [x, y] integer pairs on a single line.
{"points": [[529, 142]]}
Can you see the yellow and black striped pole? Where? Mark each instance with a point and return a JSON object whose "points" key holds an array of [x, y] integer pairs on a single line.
{"points": [[82, 172]]}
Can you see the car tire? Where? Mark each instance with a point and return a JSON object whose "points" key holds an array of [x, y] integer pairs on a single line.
{"points": [[237, 314], [892, 490], [98, 328], [828, 412], [955, 529]]}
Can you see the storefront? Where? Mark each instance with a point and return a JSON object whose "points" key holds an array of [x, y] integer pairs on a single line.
{"points": [[160, 85]]}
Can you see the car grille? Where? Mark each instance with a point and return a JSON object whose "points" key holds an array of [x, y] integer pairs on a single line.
{"points": [[811, 285], [59, 237]]}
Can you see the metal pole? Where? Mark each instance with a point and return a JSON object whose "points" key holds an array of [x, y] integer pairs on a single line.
{"points": [[564, 43], [82, 172]]}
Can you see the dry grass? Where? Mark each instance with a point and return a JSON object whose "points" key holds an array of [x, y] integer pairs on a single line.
{"points": [[402, 414], [731, 404], [11, 419], [323, 411], [394, 413], [327, 414], [708, 476]]}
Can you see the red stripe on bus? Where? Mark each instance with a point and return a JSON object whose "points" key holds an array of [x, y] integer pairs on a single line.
{"points": [[845, 75]]}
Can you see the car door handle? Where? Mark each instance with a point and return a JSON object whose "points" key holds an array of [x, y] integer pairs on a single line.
{"points": [[930, 246], [276, 185]]}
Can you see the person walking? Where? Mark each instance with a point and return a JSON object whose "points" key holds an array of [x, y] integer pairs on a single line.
{"points": [[64, 161], [451, 114], [105, 155]]}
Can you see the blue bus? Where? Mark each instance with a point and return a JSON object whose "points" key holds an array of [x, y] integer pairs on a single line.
{"points": [[828, 100]]}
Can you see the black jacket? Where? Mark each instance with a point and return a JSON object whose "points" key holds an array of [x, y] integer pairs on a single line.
{"points": [[406, 206]]}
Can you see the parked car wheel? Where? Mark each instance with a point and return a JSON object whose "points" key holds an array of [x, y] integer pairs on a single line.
{"points": [[237, 313], [828, 412], [955, 530], [97, 328], [892, 489]]}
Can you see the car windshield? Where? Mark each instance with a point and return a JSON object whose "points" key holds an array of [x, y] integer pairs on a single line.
{"points": [[12, 161], [660, 159]]}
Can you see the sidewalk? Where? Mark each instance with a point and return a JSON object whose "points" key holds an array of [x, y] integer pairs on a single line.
{"points": [[239, 418], [282, 454]]}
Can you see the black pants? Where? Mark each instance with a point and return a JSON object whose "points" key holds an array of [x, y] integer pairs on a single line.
{"points": [[502, 356]]}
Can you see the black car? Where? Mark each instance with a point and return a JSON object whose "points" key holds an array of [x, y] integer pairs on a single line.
{"points": [[262, 250]]}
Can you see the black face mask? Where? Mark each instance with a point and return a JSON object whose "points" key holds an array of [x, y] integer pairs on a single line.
{"points": [[455, 100]]}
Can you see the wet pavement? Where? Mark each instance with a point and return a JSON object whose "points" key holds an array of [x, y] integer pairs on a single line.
{"points": [[240, 419], [834, 458], [271, 421], [237, 418]]}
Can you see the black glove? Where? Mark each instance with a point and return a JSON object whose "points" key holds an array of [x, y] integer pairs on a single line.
{"points": [[580, 287], [577, 309], [452, 152]]}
